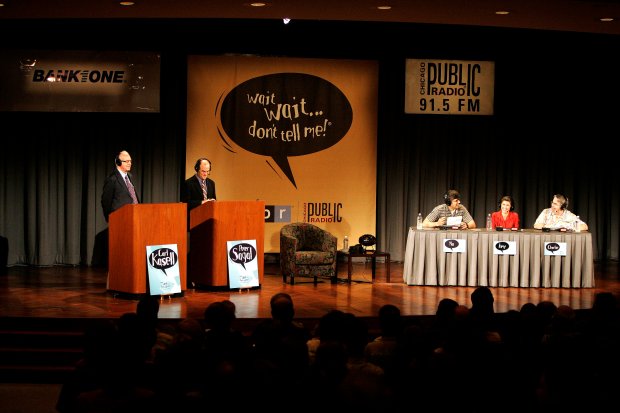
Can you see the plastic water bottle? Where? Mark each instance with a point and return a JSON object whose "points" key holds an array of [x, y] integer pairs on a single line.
{"points": [[578, 224], [345, 243], [489, 223], [419, 224]]}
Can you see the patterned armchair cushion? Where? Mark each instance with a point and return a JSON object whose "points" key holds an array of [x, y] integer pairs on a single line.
{"points": [[307, 250]]}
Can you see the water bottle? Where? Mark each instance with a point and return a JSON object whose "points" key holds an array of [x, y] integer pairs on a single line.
{"points": [[489, 223], [577, 224], [419, 224], [345, 243]]}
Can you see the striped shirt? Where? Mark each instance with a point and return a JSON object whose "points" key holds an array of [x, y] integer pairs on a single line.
{"points": [[443, 210]]}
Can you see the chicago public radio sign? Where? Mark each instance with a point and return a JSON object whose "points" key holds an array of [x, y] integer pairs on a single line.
{"points": [[449, 87], [314, 212]]}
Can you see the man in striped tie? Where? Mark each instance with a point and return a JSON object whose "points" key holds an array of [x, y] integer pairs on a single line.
{"points": [[198, 189], [118, 188]]}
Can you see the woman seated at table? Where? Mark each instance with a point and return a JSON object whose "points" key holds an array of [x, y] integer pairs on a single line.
{"points": [[505, 217]]}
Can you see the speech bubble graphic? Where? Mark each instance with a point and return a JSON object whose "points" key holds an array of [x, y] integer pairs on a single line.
{"points": [[552, 247], [163, 258], [451, 243], [242, 253], [501, 246], [286, 114]]}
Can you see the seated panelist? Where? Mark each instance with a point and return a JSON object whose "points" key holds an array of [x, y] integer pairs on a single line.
{"points": [[558, 216], [450, 208], [505, 217]]}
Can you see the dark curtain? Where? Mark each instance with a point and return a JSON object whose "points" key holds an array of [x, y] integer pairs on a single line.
{"points": [[549, 134], [53, 167], [556, 107]]}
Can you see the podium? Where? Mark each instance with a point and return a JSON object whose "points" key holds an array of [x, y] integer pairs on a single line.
{"points": [[214, 223], [132, 228]]}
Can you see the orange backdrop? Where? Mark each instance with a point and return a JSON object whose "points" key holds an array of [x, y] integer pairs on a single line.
{"points": [[300, 134]]}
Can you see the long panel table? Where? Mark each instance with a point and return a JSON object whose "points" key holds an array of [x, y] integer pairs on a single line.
{"points": [[427, 264]]}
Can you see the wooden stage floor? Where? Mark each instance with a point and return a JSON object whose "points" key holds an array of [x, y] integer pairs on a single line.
{"points": [[80, 292]]}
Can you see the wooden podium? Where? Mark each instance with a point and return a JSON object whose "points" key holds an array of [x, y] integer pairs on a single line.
{"points": [[132, 228], [214, 223]]}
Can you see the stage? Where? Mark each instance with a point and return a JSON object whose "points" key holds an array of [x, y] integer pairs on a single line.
{"points": [[80, 292]]}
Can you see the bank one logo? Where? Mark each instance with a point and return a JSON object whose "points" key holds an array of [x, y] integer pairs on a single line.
{"points": [[322, 212], [278, 213], [78, 76]]}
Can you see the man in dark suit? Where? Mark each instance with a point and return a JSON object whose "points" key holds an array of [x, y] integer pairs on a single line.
{"points": [[118, 188], [198, 189]]}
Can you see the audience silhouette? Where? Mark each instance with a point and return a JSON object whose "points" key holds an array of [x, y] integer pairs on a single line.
{"points": [[541, 358]]}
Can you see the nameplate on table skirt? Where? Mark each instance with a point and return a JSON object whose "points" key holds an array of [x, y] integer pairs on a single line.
{"points": [[455, 245], [555, 249], [504, 248]]}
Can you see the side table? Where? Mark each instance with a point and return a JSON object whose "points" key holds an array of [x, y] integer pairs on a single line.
{"points": [[373, 262]]}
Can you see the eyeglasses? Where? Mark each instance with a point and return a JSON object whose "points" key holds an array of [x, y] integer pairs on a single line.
{"points": [[127, 161], [207, 172]]}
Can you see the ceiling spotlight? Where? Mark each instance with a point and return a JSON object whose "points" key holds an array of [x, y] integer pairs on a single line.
{"points": [[126, 3], [286, 20], [606, 19], [384, 7], [257, 4], [502, 12], [27, 64]]}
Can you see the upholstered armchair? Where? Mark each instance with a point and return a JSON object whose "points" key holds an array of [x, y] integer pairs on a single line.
{"points": [[307, 251]]}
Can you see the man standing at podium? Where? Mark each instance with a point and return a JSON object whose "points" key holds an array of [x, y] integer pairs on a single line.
{"points": [[118, 188], [198, 189]]}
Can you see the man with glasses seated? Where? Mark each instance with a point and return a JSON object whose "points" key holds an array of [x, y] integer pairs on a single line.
{"points": [[558, 217], [118, 188]]}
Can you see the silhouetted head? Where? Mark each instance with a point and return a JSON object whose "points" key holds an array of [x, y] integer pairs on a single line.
{"points": [[282, 307], [482, 300]]}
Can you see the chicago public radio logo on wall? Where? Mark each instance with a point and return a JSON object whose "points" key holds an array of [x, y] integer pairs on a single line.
{"points": [[322, 212], [449, 87]]}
